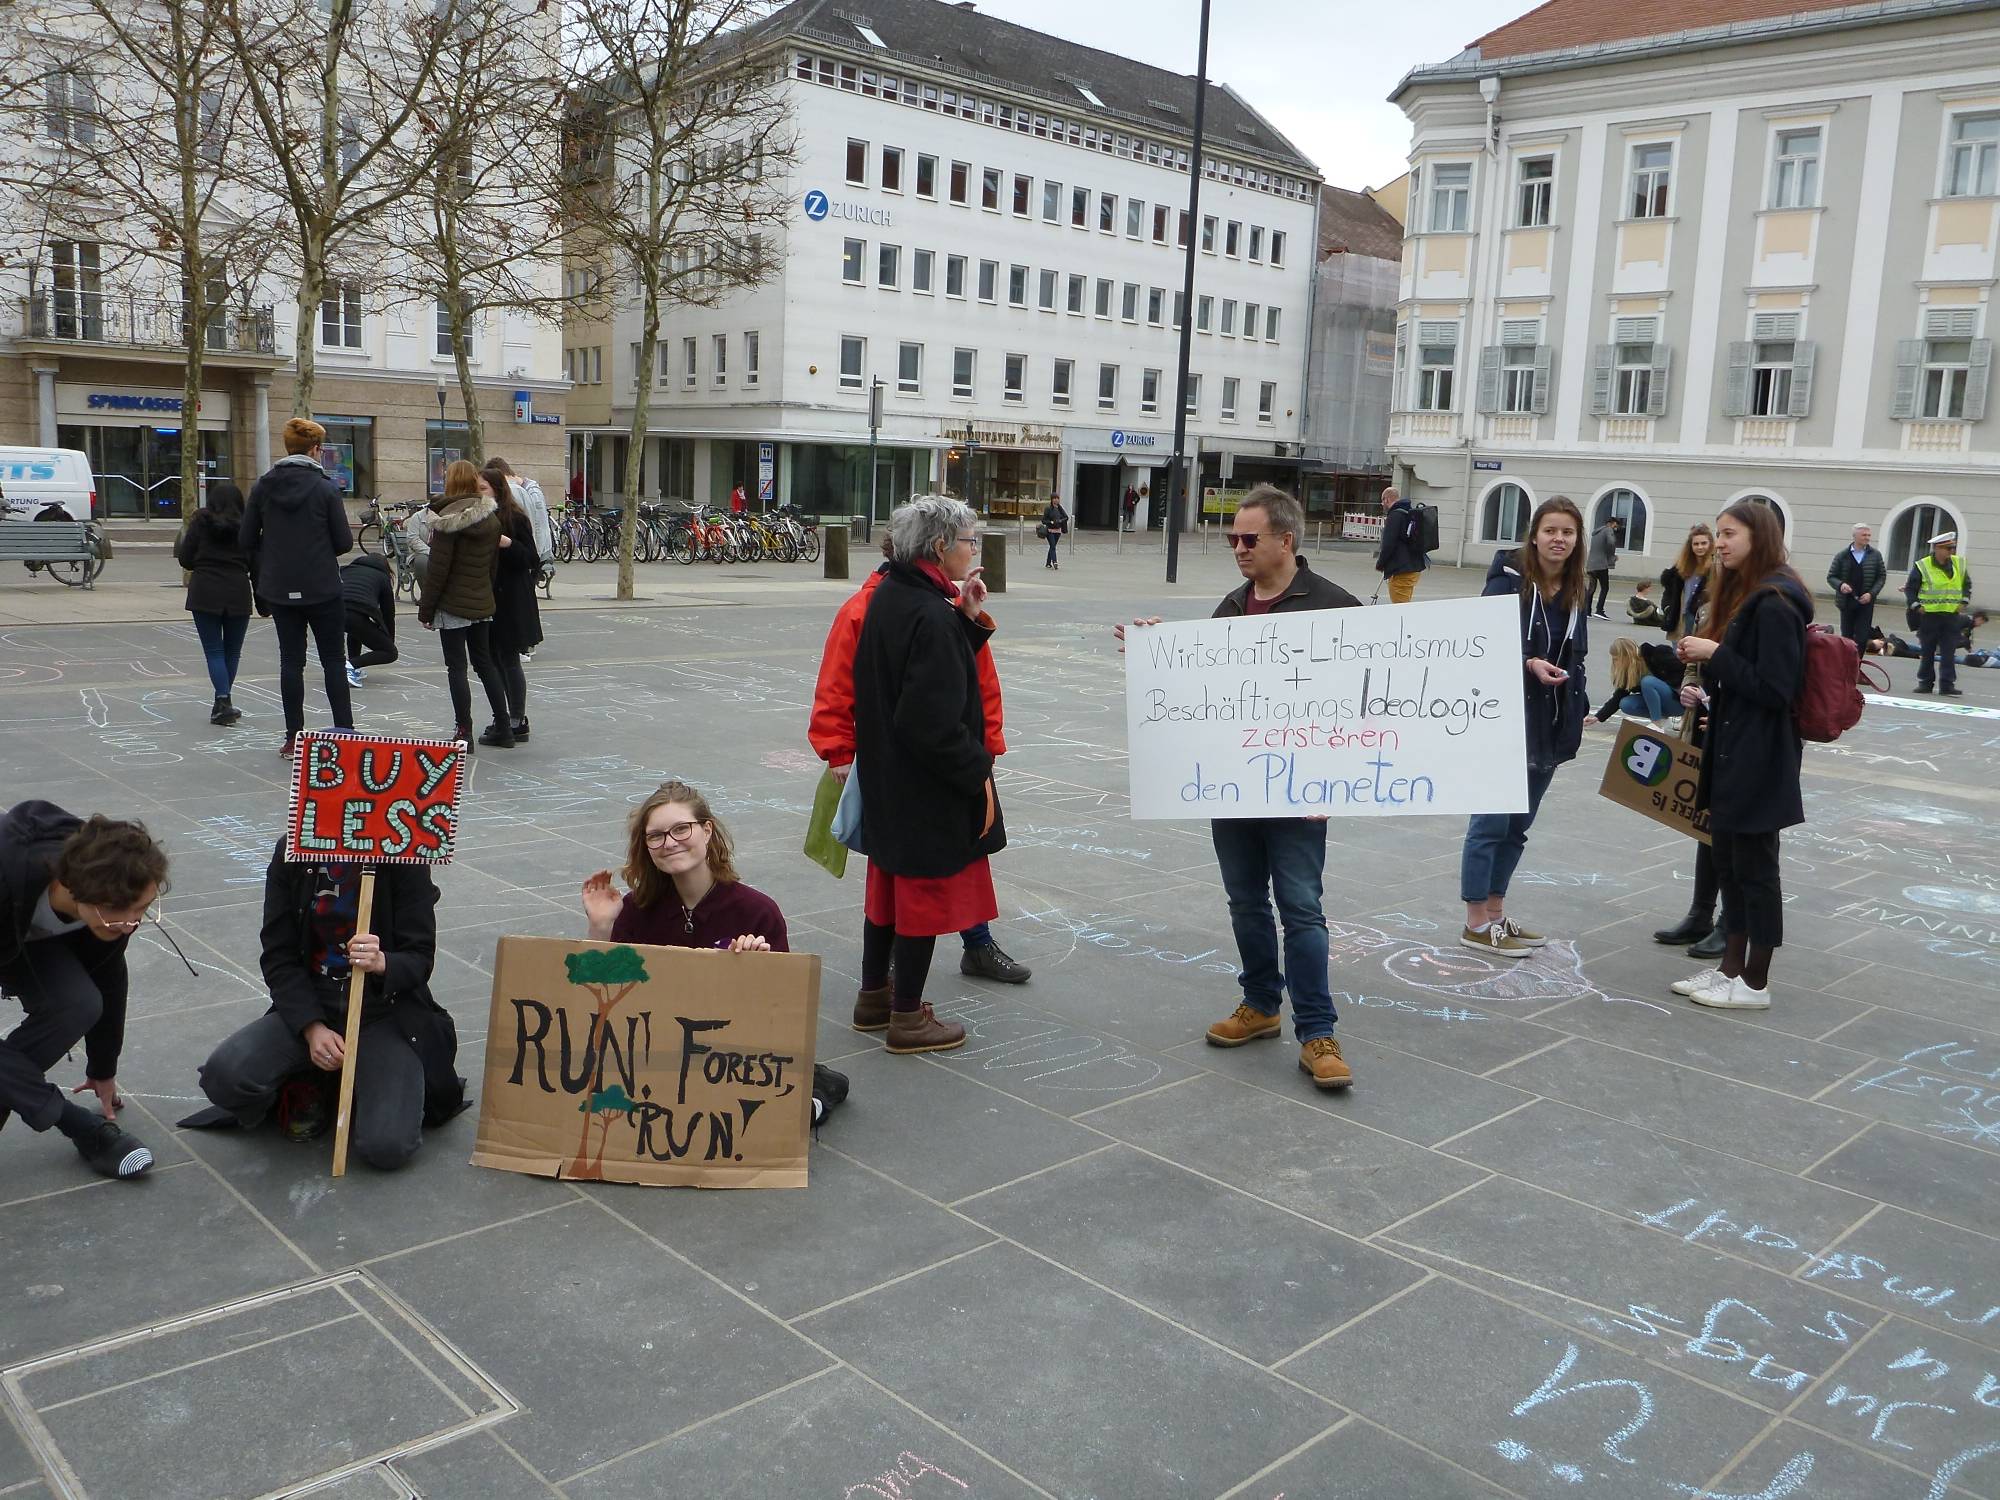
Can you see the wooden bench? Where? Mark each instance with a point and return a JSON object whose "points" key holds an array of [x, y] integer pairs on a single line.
{"points": [[68, 549]]}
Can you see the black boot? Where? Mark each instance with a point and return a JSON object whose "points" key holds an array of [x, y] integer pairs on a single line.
{"points": [[501, 736], [1711, 946], [521, 731], [1691, 928], [224, 712]]}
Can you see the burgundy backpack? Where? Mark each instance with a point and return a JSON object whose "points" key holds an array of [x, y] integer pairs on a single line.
{"points": [[1829, 702]]}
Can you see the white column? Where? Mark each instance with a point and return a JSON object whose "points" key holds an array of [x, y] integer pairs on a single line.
{"points": [[704, 473], [1711, 251], [1871, 248], [45, 403], [260, 432]]}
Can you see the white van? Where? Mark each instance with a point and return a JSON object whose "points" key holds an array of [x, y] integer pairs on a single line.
{"points": [[33, 479]]}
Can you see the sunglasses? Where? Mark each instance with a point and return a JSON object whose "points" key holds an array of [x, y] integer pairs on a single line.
{"points": [[1244, 539]]}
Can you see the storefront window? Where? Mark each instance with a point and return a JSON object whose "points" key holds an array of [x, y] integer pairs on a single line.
{"points": [[138, 469], [349, 454], [830, 479], [444, 444]]}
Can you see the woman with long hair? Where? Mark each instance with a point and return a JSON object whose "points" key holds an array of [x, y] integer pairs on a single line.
{"points": [[457, 598], [1752, 652], [1546, 573], [218, 590], [1639, 684], [683, 889], [517, 619], [1685, 579]]}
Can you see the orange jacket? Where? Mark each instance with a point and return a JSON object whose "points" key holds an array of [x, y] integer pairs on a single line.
{"points": [[831, 730]]}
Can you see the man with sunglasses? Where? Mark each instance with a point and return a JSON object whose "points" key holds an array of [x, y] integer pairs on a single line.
{"points": [[1285, 858], [72, 893]]}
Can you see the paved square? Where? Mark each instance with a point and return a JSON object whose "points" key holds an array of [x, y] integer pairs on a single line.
{"points": [[1565, 1236]]}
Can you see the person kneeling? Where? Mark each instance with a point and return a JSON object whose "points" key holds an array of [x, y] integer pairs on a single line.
{"points": [[403, 1078]]}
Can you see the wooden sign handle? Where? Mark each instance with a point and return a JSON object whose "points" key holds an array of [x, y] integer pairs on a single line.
{"points": [[351, 1042]]}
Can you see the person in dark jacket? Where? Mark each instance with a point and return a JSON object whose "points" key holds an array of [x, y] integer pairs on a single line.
{"points": [[517, 618], [1752, 652], [457, 598], [210, 547], [294, 530], [1055, 524], [1262, 859], [72, 893], [1603, 558], [1546, 575], [1856, 577], [1688, 569], [1400, 556], [930, 815], [404, 1062], [368, 590]]}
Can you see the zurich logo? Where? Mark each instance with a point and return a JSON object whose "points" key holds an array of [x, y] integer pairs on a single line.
{"points": [[815, 205], [1117, 439]]}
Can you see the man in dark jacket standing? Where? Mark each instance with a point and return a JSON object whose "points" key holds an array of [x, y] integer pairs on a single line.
{"points": [[294, 529], [1400, 557], [1285, 858], [368, 597], [1856, 577], [1602, 559], [72, 893]]}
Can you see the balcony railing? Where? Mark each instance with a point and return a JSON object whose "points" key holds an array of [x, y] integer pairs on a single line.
{"points": [[144, 322]]}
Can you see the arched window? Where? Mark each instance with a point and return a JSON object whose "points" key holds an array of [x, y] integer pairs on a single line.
{"points": [[1624, 505], [1773, 502], [1910, 533], [1504, 517]]}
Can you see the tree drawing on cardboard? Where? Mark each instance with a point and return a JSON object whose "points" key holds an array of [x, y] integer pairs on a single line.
{"points": [[609, 1103], [610, 974]]}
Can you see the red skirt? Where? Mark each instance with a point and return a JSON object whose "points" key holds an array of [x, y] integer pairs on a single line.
{"points": [[931, 906]]}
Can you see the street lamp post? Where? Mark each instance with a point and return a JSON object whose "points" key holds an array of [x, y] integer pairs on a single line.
{"points": [[1176, 478], [442, 450], [874, 427]]}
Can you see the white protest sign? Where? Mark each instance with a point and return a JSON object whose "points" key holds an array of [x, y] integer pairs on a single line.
{"points": [[1380, 712]]}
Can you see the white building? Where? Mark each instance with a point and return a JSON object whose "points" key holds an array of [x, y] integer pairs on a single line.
{"points": [[988, 220], [1754, 256]]}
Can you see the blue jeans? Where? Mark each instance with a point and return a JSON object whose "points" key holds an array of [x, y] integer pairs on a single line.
{"points": [[1655, 699], [1494, 843], [222, 645], [1285, 858]]}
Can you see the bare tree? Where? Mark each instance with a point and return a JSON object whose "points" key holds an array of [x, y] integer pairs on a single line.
{"points": [[680, 146]]}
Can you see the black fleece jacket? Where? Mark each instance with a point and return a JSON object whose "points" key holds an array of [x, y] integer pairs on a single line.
{"points": [[31, 836]]}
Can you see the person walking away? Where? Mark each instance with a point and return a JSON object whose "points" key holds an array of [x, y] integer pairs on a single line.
{"points": [[72, 893], [930, 815], [457, 597], [1752, 652], [1055, 521], [517, 619], [1682, 579], [1939, 586], [1856, 578], [1281, 859], [210, 547], [1400, 557], [1603, 558], [1546, 575], [368, 592], [295, 531]]}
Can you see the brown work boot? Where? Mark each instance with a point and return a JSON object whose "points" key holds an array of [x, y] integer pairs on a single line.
{"points": [[1321, 1059], [871, 1009], [1244, 1024], [920, 1030]]}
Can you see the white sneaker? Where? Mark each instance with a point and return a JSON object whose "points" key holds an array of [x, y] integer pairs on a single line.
{"points": [[1735, 995], [355, 676], [1694, 982]]}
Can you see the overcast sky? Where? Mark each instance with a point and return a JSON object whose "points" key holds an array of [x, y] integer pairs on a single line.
{"points": [[1321, 73]]}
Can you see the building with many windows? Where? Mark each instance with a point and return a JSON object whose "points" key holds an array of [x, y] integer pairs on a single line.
{"points": [[1754, 256], [989, 223]]}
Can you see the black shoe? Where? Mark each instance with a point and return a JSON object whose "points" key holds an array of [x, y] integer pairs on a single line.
{"points": [[521, 731], [1922, 687], [113, 1153], [497, 735], [1690, 929], [1951, 692], [988, 962], [224, 712], [1711, 946], [305, 1108]]}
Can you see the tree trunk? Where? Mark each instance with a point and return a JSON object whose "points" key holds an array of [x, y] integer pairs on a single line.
{"points": [[580, 1167], [635, 447], [187, 129], [475, 427], [312, 289]]}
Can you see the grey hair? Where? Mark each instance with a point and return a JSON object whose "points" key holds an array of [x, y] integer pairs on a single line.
{"points": [[916, 528]]}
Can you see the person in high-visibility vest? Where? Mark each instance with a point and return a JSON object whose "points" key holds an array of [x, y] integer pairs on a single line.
{"points": [[1938, 588]]}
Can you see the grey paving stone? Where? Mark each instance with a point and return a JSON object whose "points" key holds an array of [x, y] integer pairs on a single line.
{"points": [[973, 1342], [1302, 1159], [835, 1435], [1916, 1396], [1363, 1462], [1471, 1037], [1934, 1102], [1168, 1239], [1963, 997], [1803, 1459], [374, 1483], [1923, 1042], [48, 1163], [1917, 1172], [1932, 1273], [17, 1464], [1646, 970], [474, 1467], [1046, 1060], [1682, 1032]]}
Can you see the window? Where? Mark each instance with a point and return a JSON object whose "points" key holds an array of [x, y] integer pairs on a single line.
{"points": [[962, 364], [889, 267], [1135, 219], [1024, 191], [989, 280], [921, 262], [1534, 189], [1652, 175], [70, 106], [1947, 366], [1277, 247], [1204, 313], [852, 352], [961, 180], [989, 189], [340, 316], [1504, 516], [1630, 375], [1633, 394], [926, 176], [1256, 242], [1017, 286], [1128, 307], [1156, 305], [1795, 169], [1107, 387], [751, 368], [213, 137], [1517, 377], [688, 366], [1271, 325], [1059, 382], [1181, 229], [1014, 386], [1267, 400], [1107, 213], [1250, 312], [857, 163], [1229, 398], [909, 368], [1193, 394], [1912, 528], [1771, 379], [892, 169], [1051, 202], [1045, 291], [720, 372], [1075, 300], [350, 145], [1229, 317], [1161, 214], [1626, 506], [954, 276], [1149, 390], [1232, 238], [1180, 309], [1079, 208], [1103, 304], [443, 344], [851, 252], [1437, 361], [1975, 141], [1451, 196]]}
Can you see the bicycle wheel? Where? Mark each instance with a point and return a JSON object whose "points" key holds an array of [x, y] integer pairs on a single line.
{"points": [[565, 546], [368, 537], [749, 548], [809, 543], [76, 575], [686, 545]]}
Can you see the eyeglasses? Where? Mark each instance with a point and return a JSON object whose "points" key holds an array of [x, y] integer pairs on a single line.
{"points": [[1244, 539], [117, 924], [679, 833], [970, 540]]}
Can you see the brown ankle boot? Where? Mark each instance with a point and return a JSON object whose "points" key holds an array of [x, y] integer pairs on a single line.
{"points": [[920, 1030], [871, 1009]]}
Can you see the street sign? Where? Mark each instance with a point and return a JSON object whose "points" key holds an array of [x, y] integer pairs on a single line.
{"points": [[1491, 465], [767, 473]]}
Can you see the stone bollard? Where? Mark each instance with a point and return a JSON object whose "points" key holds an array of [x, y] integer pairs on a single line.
{"points": [[993, 558], [833, 550]]}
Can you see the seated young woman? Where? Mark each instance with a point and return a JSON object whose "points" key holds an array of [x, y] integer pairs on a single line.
{"points": [[684, 890]]}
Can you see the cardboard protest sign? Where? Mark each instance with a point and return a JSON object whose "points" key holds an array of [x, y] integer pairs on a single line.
{"points": [[663, 1066], [374, 799], [1656, 773], [1343, 712]]}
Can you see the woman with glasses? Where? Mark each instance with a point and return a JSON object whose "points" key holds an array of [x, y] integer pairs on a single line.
{"points": [[684, 890]]}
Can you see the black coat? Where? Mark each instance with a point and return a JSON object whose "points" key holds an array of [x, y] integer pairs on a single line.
{"points": [[294, 531], [31, 836], [1671, 587], [368, 587], [1866, 577], [1402, 546], [218, 567], [1308, 591], [1750, 763], [920, 730], [1554, 714], [517, 618], [1055, 520], [403, 916]]}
